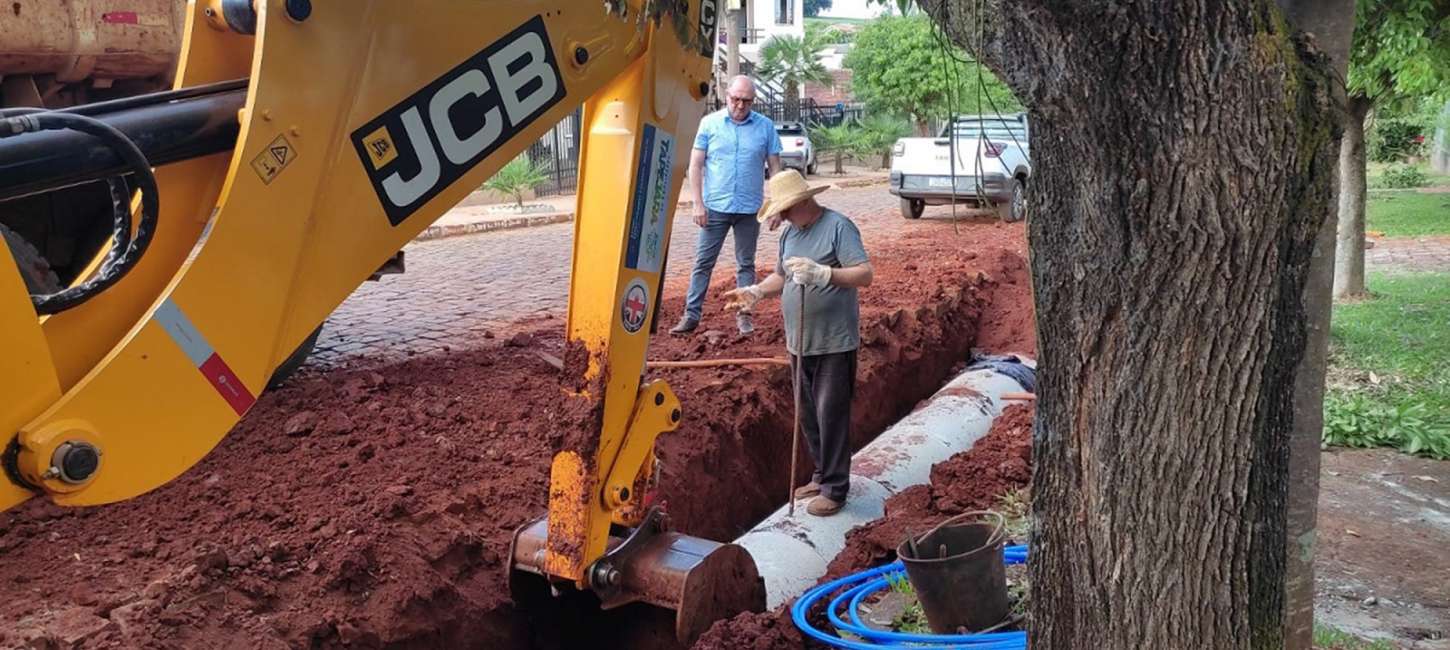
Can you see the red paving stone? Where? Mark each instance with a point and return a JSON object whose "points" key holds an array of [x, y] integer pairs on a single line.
{"points": [[1410, 254], [457, 289]]}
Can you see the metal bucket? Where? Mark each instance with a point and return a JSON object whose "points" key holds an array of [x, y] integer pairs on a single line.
{"points": [[958, 574]]}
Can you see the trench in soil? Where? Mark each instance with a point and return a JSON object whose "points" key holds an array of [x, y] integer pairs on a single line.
{"points": [[373, 507]]}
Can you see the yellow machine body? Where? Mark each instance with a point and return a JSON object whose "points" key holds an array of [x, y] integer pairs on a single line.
{"points": [[364, 122]]}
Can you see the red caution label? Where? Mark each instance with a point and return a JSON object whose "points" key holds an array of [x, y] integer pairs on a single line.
{"points": [[121, 18], [227, 384]]}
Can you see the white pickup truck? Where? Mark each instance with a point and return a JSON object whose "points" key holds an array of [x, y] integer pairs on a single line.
{"points": [[992, 167]]}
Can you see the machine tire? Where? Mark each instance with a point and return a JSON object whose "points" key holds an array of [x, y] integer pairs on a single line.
{"points": [[1015, 209], [912, 208], [40, 279], [289, 366], [811, 169]]}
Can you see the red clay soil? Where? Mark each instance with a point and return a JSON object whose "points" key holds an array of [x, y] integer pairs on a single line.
{"points": [[971, 480], [374, 507]]}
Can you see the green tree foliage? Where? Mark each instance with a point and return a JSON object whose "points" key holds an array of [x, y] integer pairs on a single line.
{"points": [[899, 66], [1401, 50], [792, 61], [517, 178], [815, 7]]}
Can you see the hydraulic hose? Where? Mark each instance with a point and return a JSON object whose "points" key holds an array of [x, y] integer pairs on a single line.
{"points": [[856, 587], [125, 250]]}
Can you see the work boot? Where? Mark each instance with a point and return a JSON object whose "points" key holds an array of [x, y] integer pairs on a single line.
{"points": [[685, 326], [745, 322], [808, 490], [824, 506]]}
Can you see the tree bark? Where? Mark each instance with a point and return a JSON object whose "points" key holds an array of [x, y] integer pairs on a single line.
{"points": [[1181, 241], [1349, 254], [792, 100]]}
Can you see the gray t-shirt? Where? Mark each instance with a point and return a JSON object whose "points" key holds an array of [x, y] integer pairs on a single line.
{"points": [[833, 316]]}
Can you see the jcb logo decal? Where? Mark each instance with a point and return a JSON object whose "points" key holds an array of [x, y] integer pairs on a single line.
{"points": [[421, 146], [709, 16]]}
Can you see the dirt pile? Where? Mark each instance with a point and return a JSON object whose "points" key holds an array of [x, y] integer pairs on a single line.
{"points": [[971, 480], [373, 507]]}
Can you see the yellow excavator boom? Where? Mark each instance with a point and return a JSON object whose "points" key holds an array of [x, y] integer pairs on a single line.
{"points": [[360, 123]]}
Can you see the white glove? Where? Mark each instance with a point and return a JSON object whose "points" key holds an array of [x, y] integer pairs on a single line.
{"points": [[744, 299], [808, 272]]}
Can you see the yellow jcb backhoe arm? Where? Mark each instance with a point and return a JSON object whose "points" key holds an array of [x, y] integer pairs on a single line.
{"points": [[363, 122]]}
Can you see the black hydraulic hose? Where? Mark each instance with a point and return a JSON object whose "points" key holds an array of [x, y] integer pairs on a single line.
{"points": [[125, 251]]}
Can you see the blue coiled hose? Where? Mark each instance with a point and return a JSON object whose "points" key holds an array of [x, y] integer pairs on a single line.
{"points": [[864, 584]]}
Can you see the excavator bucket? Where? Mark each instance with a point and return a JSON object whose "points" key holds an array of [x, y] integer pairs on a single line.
{"points": [[700, 580]]}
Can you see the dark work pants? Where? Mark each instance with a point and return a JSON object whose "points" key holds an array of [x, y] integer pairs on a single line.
{"points": [[828, 382]]}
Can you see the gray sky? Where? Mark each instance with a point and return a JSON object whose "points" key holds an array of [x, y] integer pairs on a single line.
{"points": [[852, 9]]}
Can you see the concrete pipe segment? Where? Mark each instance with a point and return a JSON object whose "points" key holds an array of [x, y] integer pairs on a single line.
{"points": [[792, 552]]}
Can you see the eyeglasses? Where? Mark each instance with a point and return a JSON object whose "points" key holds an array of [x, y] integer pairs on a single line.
{"points": [[742, 100]]}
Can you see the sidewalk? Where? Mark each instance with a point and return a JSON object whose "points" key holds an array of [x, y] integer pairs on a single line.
{"points": [[472, 216]]}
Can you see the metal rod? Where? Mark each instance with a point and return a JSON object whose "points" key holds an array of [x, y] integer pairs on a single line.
{"points": [[800, 361]]}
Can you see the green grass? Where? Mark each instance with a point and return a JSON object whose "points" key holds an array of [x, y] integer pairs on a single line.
{"points": [[1407, 213], [1389, 382], [1328, 638]]}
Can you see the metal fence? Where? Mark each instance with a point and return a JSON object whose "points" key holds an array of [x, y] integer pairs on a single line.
{"points": [[808, 111], [558, 153]]}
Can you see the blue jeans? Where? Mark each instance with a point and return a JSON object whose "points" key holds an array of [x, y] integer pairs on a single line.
{"points": [[707, 250]]}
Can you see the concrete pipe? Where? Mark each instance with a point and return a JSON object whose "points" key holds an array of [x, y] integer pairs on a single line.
{"points": [[792, 552]]}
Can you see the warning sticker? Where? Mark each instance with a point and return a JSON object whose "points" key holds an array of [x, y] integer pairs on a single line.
{"points": [[270, 163], [635, 307]]}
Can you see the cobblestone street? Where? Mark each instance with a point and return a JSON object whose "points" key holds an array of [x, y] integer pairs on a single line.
{"points": [[460, 289], [457, 289]]}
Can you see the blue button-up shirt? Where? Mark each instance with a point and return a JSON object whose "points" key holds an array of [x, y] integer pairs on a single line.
{"points": [[735, 155]]}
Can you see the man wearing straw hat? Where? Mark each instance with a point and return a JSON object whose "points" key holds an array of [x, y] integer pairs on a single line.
{"points": [[821, 264]]}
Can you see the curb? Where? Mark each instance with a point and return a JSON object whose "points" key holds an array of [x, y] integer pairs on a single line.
{"points": [[490, 225]]}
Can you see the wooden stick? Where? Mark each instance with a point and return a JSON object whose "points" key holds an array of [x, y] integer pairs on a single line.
{"points": [[712, 363], [558, 363], [795, 439], [1019, 397]]}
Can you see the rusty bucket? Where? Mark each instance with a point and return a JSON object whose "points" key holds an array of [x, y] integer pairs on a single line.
{"points": [[958, 574]]}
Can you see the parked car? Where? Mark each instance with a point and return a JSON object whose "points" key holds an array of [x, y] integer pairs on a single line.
{"points": [[797, 152], [991, 167]]}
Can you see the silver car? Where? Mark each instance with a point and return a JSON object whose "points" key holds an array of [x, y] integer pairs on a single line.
{"points": [[796, 150]]}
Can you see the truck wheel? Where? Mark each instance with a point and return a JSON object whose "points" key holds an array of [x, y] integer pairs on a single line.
{"points": [[912, 208], [39, 278], [291, 364], [1015, 209]]}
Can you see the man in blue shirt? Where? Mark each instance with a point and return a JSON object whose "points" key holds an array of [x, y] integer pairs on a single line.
{"points": [[727, 179]]}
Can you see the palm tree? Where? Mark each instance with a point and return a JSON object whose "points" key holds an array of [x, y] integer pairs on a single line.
{"points": [[517, 178], [839, 140], [792, 61], [879, 134]]}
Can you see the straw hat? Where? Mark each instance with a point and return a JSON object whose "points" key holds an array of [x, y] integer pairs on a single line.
{"points": [[787, 188]]}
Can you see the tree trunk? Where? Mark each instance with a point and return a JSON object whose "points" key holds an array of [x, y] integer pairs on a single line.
{"points": [[1185, 168], [1440, 155], [1349, 254], [792, 100], [732, 44], [839, 168]]}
